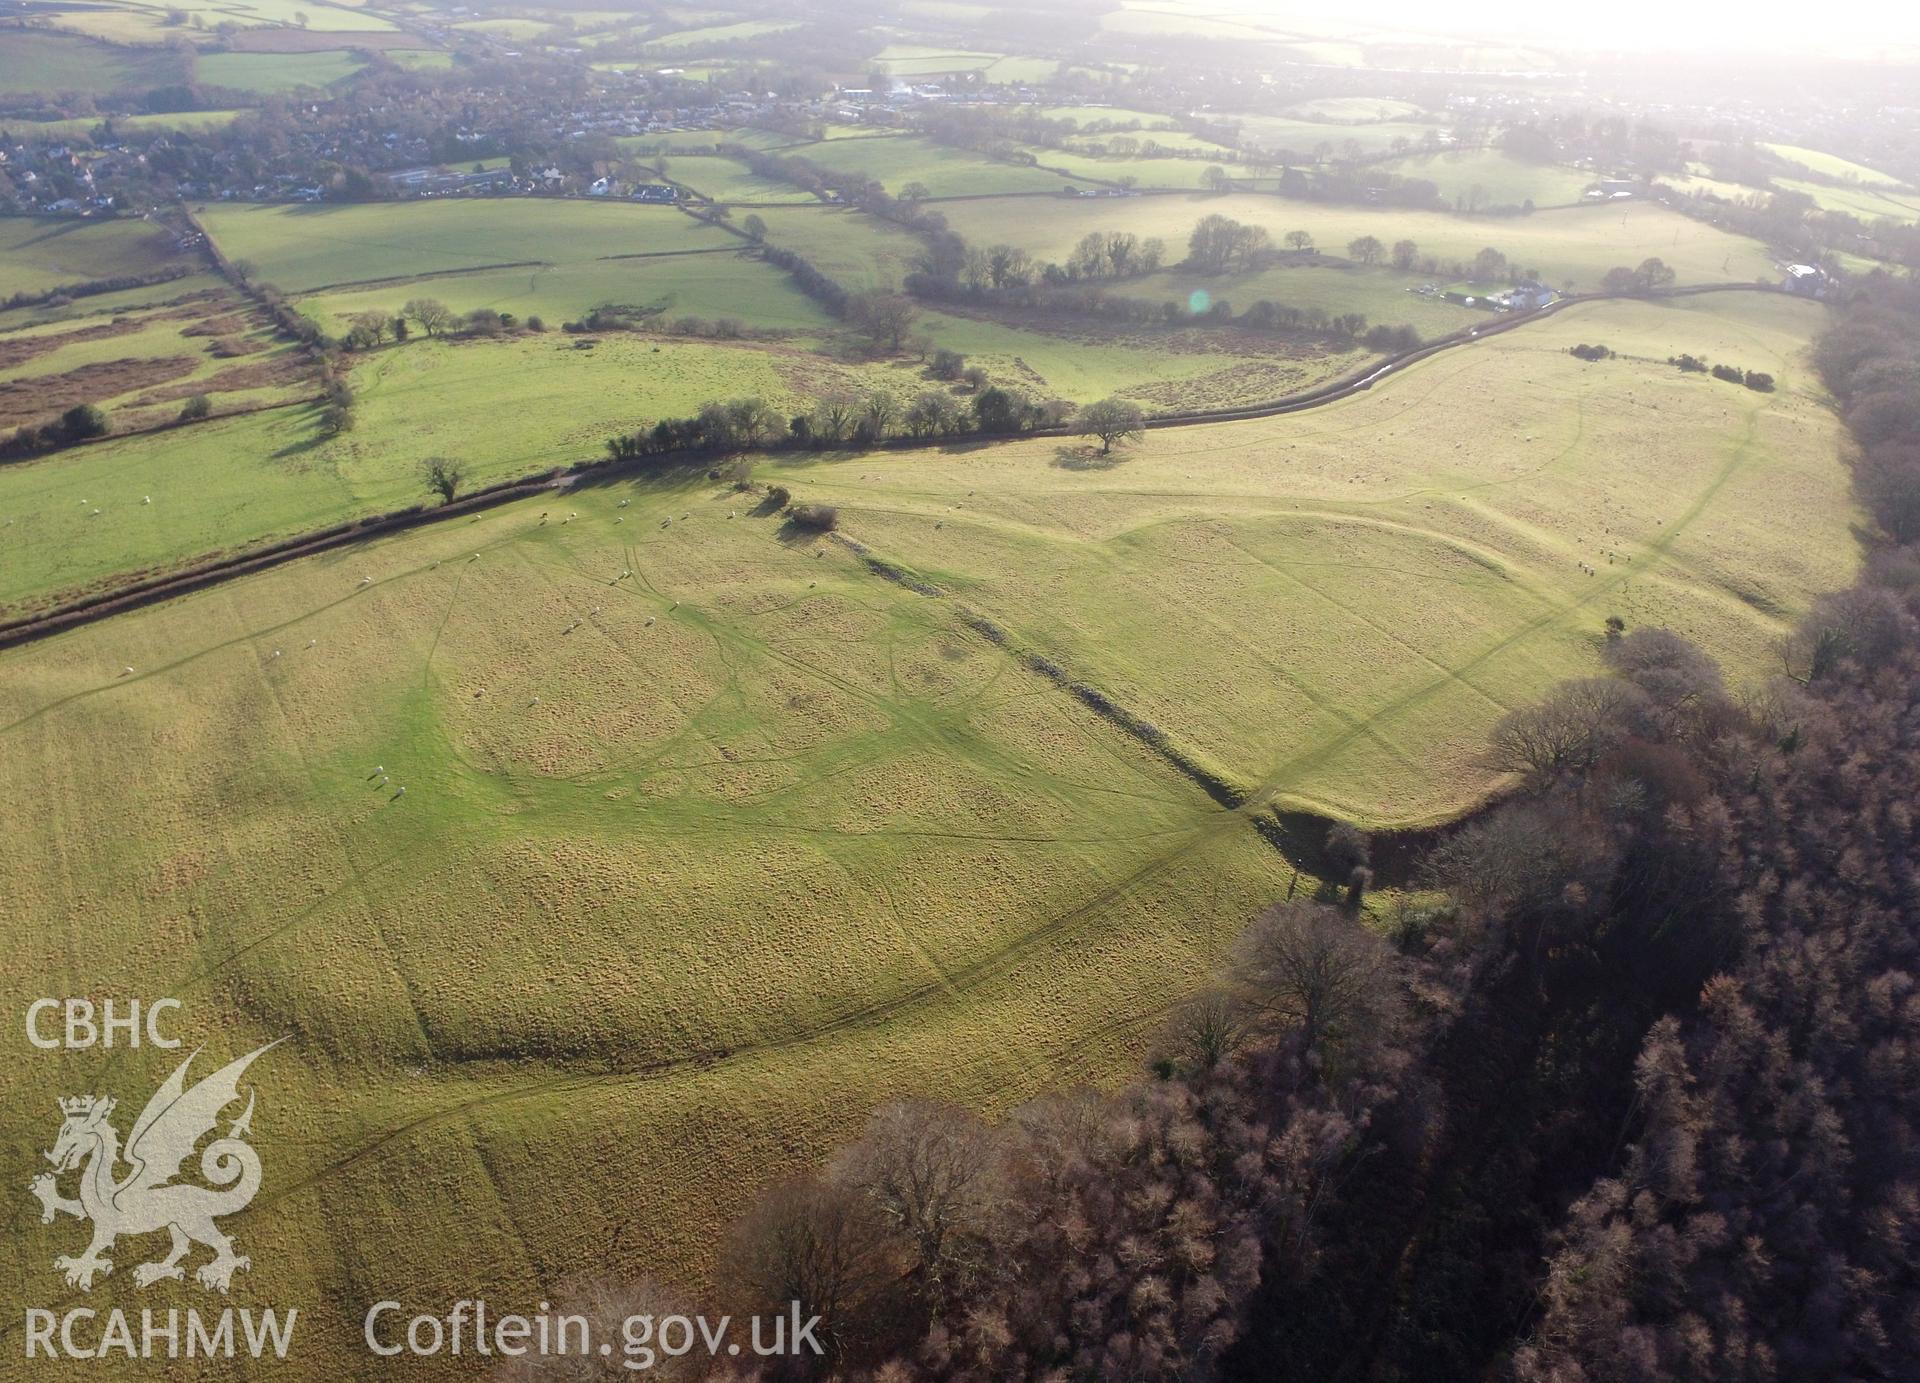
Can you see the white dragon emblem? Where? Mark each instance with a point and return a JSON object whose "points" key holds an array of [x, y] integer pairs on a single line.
{"points": [[145, 1201]]}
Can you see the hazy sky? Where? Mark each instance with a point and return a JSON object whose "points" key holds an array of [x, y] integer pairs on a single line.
{"points": [[1707, 27]]}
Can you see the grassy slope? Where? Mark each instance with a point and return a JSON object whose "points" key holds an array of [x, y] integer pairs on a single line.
{"points": [[273, 74], [802, 842], [42, 252], [898, 160], [63, 62], [1580, 243], [738, 875], [1437, 524], [1505, 181]]}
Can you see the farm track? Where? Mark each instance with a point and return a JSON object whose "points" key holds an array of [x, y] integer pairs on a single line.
{"points": [[90, 608]]}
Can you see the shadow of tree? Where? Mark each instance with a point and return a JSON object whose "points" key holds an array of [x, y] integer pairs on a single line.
{"points": [[1085, 457]]}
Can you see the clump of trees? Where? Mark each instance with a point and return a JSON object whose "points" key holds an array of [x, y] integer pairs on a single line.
{"points": [[1649, 276], [1220, 243], [80, 423], [822, 518], [1585, 352]]}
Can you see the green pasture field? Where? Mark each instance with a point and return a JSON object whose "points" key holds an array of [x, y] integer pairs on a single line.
{"points": [[1332, 607], [670, 900], [1306, 137], [274, 74], [1578, 244], [1082, 116], [107, 304], [1833, 166], [42, 252], [723, 179], [858, 251], [1144, 172], [1380, 293], [38, 61], [695, 867], [678, 142], [914, 60], [719, 33], [87, 126], [728, 282], [514, 30], [303, 248], [1869, 204], [539, 401], [1504, 181], [1164, 370], [894, 161], [1016, 70], [1353, 110]]}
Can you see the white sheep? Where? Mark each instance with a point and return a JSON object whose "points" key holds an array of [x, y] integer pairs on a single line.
{"points": [[148, 499], [649, 621], [401, 793], [126, 672], [312, 643]]}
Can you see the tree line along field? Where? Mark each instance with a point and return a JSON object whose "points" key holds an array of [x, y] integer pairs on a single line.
{"points": [[1577, 245], [960, 876]]}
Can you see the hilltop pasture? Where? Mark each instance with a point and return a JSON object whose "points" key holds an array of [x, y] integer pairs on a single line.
{"points": [[752, 839]]}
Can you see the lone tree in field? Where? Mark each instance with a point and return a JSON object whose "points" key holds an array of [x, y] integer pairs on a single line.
{"points": [[885, 319], [1113, 420], [433, 315], [1299, 240], [755, 227], [1366, 250], [444, 476], [1405, 252]]}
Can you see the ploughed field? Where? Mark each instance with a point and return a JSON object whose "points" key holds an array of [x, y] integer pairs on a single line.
{"points": [[695, 865]]}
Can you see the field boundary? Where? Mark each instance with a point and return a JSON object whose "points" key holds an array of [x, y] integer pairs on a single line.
{"points": [[83, 610]]}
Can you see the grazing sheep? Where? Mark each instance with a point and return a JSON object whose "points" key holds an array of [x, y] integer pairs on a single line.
{"points": [[366, 581], [276, 653], [312, 642], [649, 621], [594, 611], [534, 702], [148, 499], [126, 672], [625, 502], [401, 793], [619, 520]]}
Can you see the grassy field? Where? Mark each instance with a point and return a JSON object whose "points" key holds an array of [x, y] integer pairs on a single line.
{"points": [[275, 74], [1305, 138], [545, 970], [1332, 607], [42, 252], [32, 61], [724, 283], [1150, 121], [897, 160], [301, 248], [1868, 203], [1833, 166], [727, 180], [686, 40], [1354, 110], [1503, 181], [1578, 244], [87, 125], [695, 867], [858, 251], [1380, 293]]}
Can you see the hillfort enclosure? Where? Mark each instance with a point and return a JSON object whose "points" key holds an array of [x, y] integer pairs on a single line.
{"points": [[1130, 690]]}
